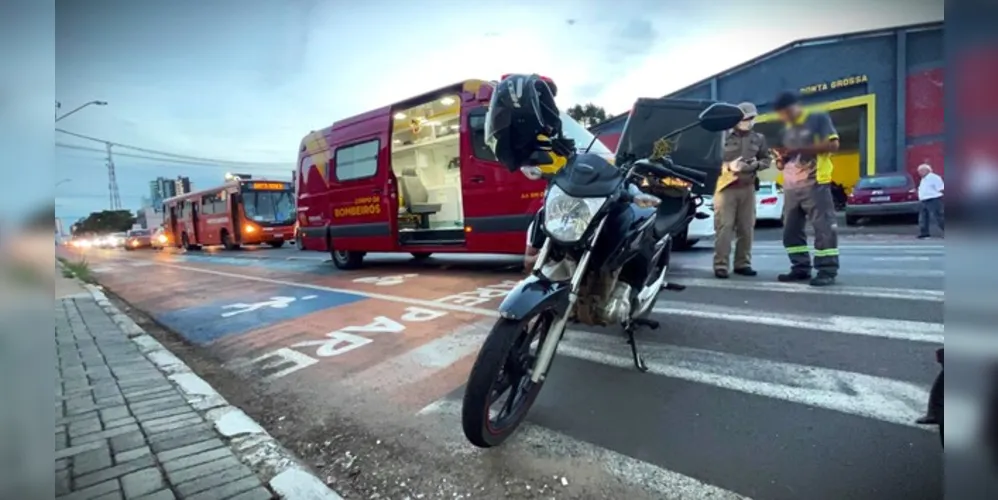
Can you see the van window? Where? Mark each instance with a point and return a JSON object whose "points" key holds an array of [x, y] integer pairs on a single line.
{"points": [[358, 161], [476, 123]]}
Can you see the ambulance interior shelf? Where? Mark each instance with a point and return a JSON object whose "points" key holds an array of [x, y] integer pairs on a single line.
{"points": [[425, 161]]}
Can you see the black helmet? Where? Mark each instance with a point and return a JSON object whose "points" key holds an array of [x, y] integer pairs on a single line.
{"points": [[522, 108]]}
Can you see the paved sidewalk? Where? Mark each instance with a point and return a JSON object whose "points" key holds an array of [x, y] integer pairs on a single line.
{"points": [[127, 425]]}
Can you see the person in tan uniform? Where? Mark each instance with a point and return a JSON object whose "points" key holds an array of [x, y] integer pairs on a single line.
{"points": [[745, 154]]}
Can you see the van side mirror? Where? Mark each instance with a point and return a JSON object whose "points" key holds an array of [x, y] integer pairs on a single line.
{"points": [[720, 116]]}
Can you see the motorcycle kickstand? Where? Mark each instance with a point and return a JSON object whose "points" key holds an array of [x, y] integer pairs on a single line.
{"points": [[639, 361]]}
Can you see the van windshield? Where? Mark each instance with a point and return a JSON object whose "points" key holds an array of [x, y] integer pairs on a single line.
{"points": [[582, 137], [269, 206]]}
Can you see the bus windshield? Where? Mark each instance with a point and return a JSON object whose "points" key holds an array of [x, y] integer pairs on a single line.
{"points": [[269, 206]]}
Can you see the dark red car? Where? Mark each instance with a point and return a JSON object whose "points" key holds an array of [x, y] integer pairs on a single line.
{"points": [[882, 195]]}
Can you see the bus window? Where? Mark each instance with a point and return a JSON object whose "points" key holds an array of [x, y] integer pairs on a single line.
{"points": [[206, 204]]}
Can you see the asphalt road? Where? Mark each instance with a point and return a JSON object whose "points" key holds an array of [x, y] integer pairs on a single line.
{"points": [[756, 389]]}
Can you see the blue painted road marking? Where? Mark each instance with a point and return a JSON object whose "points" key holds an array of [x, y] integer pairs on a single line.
{"points": [[251, 311]]}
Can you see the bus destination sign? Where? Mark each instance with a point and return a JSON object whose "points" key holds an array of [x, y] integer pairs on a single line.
{"points": [[269, 186]]}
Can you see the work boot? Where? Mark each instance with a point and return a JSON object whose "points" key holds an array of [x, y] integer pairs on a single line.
{"points": [[794, 276], [721, 274], [746, 271], [823, 279]]}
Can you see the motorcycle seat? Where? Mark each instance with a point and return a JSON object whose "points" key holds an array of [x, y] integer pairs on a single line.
{"points": [[671, 216]]}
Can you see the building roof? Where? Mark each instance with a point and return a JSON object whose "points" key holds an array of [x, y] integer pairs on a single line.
{"points": [[806, 42]]}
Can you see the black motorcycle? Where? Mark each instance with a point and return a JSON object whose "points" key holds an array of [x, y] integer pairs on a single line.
{"points": [[607, 229]]}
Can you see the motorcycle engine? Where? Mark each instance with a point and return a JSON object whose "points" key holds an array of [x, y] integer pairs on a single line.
{"points": [[603, 300]]}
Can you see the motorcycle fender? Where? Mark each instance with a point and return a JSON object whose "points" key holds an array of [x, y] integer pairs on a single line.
{"points": [[535, 294]]}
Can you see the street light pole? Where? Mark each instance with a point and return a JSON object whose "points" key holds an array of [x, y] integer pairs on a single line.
{"points": [[59, 105]]}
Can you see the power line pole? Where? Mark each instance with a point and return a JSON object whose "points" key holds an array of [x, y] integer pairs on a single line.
{"points": [[112, 181]]}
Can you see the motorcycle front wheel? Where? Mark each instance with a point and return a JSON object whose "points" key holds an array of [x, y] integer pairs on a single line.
{"points": [[503, 369]]}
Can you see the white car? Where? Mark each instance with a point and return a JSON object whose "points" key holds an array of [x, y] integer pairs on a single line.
{"points": [[699, 229], [769, 202]]}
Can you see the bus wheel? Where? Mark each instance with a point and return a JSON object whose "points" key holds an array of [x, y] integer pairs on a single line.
{"points": [[346, 260], [227, 241], [276, 244]]}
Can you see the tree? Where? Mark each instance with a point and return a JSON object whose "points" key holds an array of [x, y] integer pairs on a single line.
{"points": [[105, 221], [589, 114]]}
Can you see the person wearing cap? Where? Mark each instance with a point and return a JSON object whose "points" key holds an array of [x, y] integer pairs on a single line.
{"points": [[745, 154], [809, 139]]}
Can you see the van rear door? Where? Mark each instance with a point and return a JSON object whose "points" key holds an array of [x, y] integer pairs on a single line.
{"points": [[696, 148], [362, 199]]}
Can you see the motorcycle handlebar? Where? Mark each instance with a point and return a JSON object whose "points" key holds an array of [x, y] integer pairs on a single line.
{"points": [[665, 168]]}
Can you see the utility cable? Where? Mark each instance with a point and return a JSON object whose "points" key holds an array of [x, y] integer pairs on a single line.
{"points": [[174, 155], [169, 160]]}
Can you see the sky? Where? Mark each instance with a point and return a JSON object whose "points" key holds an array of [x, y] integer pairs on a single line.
{"points": [[237, 81]]}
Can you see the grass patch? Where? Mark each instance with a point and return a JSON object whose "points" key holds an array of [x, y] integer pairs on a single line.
{"points": [[79, 269]]}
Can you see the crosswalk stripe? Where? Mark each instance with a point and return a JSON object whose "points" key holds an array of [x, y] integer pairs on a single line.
{"points": [[916, 331], [855, 291], [858, 394], [664, 483]]}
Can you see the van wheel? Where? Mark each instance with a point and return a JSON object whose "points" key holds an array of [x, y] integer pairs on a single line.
{"points": [[347, 260], [227, 241], [421, 255]]}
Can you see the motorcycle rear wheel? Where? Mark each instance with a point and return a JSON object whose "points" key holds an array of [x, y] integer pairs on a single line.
{"points": [[503, 363]]}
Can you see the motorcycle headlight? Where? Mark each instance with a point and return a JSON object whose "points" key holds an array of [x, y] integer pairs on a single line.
{"points": [[566, 217]]}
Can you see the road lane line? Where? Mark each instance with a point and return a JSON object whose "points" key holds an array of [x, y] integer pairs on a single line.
{"points": [[857, 394], [664, 483], [855, 291], [915, 331], [907, 273], [423, 362]]}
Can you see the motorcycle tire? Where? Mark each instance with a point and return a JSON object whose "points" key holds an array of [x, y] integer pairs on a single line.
{"points": [[492, 359]]}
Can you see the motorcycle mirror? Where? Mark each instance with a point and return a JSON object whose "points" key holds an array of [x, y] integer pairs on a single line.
{"points": [[720, 116]]}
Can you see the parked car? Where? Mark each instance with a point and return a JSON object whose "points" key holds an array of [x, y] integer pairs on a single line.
{"points": [[882, 195], [769, 202], [138, 238]]}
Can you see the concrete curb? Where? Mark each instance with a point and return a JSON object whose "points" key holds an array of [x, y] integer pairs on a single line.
{"points": [[275, 465]]}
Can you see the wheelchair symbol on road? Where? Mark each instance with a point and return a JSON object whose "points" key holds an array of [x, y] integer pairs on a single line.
{"points": [[279, 302]]}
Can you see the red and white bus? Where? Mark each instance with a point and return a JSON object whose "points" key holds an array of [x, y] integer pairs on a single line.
{"points": [[239, 212]]}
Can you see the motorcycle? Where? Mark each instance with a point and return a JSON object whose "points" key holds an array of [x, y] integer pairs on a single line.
{"points": [[604, 257]]}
